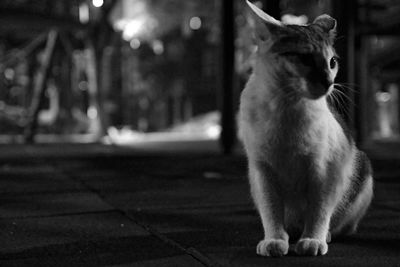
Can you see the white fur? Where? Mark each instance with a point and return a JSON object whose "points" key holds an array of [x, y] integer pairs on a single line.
{"points": [[301, 163]]}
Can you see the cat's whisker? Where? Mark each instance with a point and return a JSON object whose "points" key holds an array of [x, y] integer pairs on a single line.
{"points": [[344, 86], [336, 102], [340, 97], [351, 84], [341, 86], [344, 95], [341, 103], [332, 97]]}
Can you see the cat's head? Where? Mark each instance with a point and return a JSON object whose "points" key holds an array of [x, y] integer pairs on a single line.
{"points": [[301, 57]]}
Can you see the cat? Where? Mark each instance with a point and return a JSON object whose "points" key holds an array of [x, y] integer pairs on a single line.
{"points": [[305, 173]]}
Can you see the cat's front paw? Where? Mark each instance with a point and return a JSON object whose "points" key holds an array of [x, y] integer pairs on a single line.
{"points": [[273, 247], [311, 247]]}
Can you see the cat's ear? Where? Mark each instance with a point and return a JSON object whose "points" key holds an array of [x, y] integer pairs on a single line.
{"points": [[264, 25], [328, 25]]}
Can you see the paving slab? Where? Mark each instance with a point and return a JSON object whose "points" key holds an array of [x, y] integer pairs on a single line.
{"points": [[13, 184], [181, 196], [194, 166], [126, 251], [137, 184], [204, 227], [50, 204], [25, 167], [176, 261], [21, 235], [97, 239], [33, 176]]}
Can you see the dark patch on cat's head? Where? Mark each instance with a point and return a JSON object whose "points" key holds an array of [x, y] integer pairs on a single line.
{"points": [[301, 39]]}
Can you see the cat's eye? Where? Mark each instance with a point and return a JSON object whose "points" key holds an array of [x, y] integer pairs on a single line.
{"points": [[333, 62]]}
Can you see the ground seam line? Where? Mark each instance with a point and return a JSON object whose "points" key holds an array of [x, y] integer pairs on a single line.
{"points": [[193, 252]]}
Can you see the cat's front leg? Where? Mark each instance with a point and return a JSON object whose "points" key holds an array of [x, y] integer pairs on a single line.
{"points": [[322, 199], [268, 201]]}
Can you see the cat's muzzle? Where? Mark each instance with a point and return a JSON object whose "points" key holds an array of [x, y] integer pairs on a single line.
{"points": [[320, 89]]}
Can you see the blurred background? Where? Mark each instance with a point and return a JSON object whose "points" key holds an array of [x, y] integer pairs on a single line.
{"points": [[157, 72]]}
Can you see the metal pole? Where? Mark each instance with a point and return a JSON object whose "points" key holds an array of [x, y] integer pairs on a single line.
{"points": [[228, 136]]}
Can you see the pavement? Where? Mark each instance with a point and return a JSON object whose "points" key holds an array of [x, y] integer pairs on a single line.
{"points": [[96, 205]]}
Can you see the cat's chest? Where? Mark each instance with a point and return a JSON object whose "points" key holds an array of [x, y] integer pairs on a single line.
{"points": [[278, 133], [295, 136]]}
